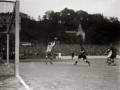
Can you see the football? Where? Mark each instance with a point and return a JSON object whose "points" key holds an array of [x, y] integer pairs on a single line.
{"points": [[55, 38]]}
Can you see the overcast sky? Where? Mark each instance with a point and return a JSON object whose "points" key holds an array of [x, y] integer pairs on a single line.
{"points": [[34, 8]]}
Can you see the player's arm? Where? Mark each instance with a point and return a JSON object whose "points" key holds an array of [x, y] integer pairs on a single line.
{"points": [[53, 43], [82, 50], [109, 49]]}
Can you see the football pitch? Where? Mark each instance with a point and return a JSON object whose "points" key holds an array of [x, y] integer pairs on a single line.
{"points": [[63, 75]]}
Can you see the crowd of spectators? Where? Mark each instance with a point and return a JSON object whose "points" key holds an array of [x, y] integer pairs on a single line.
{"points": [[90, 49], [64, 49]]}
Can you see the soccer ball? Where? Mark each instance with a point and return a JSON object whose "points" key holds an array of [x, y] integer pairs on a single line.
{"points": [[55, 38]]}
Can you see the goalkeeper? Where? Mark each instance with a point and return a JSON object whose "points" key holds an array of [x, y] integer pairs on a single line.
{"points": [[48, 51]]}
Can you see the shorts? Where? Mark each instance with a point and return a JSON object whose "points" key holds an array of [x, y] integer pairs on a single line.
{"points": [[82, 56], [48, 53], [113, 56]]}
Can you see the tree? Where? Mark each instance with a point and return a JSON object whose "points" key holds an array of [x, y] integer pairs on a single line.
{"points": [[98, 29], [103, 32], [67, 15], [39, 18]]}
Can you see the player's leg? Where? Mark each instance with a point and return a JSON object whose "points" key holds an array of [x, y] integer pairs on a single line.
{"points": [[59, 55], [112, 57], [46, 57], [85, 60], [46, 61], [112, 61], [79, 56], [108, 59], [51, 61], [72, 56], [76, 62], [109, 62], [51, 57], [88, 62]]}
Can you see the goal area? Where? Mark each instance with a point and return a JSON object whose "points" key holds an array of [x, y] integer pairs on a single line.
{"points": [[9, 32]]}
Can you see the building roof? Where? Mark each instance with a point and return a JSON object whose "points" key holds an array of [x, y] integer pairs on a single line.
{"points": [[80, 31], [71, 32], [25, 43]]}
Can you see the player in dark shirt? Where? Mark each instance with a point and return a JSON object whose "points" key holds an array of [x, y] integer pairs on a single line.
{"points": [[82, 55], [72, 54], [113, 55], [109, 52]]}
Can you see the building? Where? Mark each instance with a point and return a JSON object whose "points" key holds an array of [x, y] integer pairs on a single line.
{"points": [[5, 19], [80, 31], [71, 32], [25, 43], [5, 22], [77, 32], [23, 15]]}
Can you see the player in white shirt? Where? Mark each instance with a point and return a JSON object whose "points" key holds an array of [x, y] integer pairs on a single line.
{"points": [[48, 51], [59, 55]]}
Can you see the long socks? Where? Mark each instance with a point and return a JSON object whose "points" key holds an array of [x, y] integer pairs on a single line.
{"points": [[76, 62]]}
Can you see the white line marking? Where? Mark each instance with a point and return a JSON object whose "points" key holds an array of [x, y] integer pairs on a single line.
{"points": [[24, 84]]}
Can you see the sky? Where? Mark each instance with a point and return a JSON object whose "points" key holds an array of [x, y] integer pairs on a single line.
{"points": [[34, 8]]}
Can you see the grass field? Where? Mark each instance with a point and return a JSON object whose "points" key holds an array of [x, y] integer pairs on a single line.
{"points": [[63, 75]]}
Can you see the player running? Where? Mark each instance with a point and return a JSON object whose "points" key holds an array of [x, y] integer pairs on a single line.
{"points": [[48, 51], [82, 55], [109, 52], [113, 53], [72, 54]]}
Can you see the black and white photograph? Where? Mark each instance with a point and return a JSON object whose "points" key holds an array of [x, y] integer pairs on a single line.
{"points": [[59, 45]]}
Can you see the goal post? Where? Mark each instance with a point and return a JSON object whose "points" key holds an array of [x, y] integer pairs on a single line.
{"points": [[17, 29]]}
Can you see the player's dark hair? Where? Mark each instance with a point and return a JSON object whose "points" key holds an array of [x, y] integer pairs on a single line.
{"points": [[49, 43]]}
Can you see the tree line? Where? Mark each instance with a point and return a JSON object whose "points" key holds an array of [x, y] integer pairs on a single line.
{"points": [[99, 29]]}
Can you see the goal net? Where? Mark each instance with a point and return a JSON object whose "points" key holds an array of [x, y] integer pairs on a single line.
{"points": [[7, 36]]}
